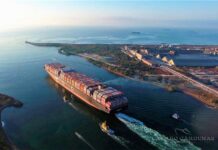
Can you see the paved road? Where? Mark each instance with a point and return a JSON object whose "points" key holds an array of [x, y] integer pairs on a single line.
{"points": [[194, 82]]}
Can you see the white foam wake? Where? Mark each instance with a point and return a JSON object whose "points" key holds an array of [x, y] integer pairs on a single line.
{"points": [[112, 80], [84, 140], [3, 124], [153, 137], [120, 140]]}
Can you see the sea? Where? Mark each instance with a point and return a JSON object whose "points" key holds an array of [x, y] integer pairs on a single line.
{"points": [[53, 119]]}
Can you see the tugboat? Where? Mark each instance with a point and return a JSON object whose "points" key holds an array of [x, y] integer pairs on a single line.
{"points": [[105, 128]]}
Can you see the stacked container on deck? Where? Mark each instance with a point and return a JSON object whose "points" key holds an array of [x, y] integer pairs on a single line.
{"points": [[54, 68], [106, 96], [110, 97]]}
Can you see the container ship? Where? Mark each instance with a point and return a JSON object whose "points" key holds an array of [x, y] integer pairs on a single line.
{"points": [[92, 92]]}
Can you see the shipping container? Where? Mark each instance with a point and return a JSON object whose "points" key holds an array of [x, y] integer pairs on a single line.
{"points": [[108, 97], [95, 94]]}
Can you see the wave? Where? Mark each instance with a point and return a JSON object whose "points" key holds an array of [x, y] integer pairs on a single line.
{"points": [[120, 140], [115, 80], [84, 140], [3, 124], [184, 131], [153, 137]]}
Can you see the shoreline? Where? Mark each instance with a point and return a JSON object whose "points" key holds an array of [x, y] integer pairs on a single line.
{"points": [[78, 49], [196, 96], [187, 92], [6, 102], [192, 94]]}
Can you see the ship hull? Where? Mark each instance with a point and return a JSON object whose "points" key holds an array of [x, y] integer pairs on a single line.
{"points": [[81, 96]]}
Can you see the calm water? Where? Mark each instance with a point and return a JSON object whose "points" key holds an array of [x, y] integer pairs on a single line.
{"points": [[196, 60], [46, 122]]}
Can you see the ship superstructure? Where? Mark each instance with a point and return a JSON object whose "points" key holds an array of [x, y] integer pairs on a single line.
{"points": [[90, 91]]}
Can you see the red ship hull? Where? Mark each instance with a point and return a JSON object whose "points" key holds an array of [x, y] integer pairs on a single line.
{"points": [[81, 95]]}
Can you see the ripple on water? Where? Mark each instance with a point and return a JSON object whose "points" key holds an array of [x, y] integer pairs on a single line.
{"points": [[153, 137]]}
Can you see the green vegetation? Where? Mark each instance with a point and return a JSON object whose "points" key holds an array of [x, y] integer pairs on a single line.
{"points": [[100, 49], [127, 65]]}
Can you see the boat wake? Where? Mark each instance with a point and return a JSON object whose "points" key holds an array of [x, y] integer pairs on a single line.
{"points": [[3, 124], [84, 140], [120, 140], [153, 137], [112, 80], [184, 131]]}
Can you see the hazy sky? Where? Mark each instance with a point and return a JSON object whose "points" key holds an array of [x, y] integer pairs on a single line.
{"points": [[149, 13]]}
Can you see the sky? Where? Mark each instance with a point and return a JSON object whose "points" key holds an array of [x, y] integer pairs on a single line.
{"points": [[15, 14]]}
